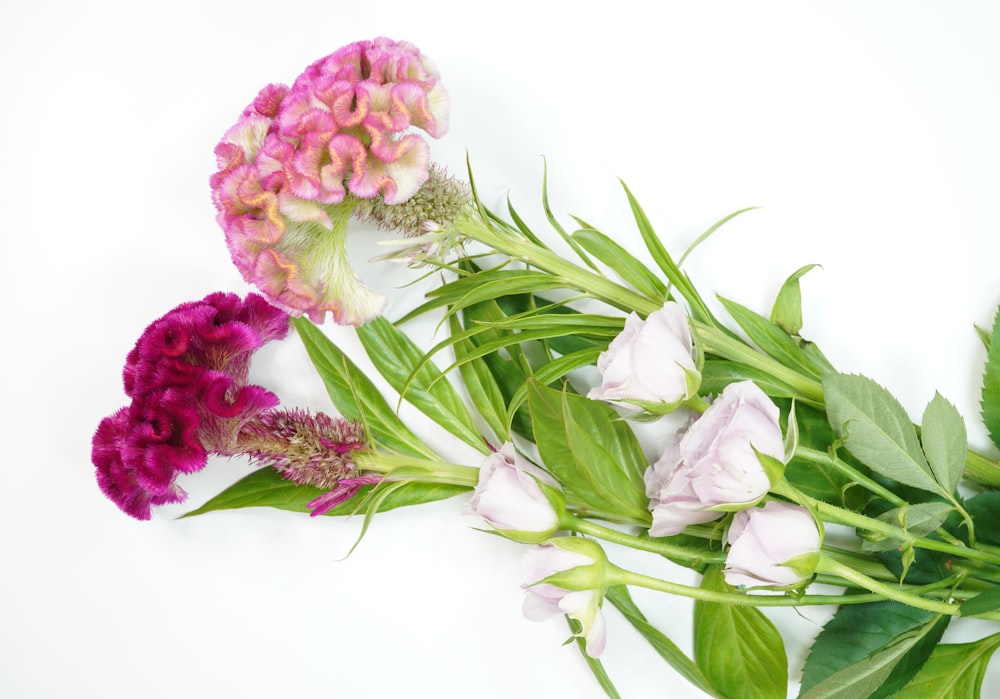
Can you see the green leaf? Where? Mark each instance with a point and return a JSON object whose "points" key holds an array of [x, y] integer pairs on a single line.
{"points": [[595, 665], [267, 488], [738, 648], [510, 369], [666, 263], [622, 262], [991, 384], [876, 430], [787, 311], [482, 386], [985, 511], [716, 374], [869, 675], [772, 339], [954, 671], [942, 433], [619, 596], [858, 633], [355, 396], [981, 603], [918, 520], [590, 451], [396, 357]]}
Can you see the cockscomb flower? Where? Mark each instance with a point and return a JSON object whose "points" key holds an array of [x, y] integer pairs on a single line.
{"points": [[294, 167], [187, 378], [309, 449]]}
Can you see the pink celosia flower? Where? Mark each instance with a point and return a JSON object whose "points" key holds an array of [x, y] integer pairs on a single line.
{"points": [[295, 165], [187, 378]]}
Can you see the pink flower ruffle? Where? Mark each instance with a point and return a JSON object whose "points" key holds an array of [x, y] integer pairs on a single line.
{"points": [[291, 169]]}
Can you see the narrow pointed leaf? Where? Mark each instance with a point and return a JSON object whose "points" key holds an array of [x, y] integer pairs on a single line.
{"points": [[482, 386], [354, 395], [772, 339], [265, 487], [660, 642], [397, 358], [622, 262]]}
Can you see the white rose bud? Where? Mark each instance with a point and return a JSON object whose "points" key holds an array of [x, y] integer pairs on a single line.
{"points": [[649, 361], [776, 545]]}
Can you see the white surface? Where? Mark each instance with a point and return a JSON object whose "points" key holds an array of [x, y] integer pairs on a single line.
{"points": [[867, 132]]}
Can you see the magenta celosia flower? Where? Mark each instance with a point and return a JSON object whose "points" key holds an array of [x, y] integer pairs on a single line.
{"points": [[293, 168], [187, 378]]}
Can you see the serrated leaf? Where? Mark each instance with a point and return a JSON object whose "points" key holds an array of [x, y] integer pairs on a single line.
{"points": [[787, 310], [267, 488], [396, 358], [738, 648], [859, 631], [619, 596], [918, 520], [991, 384], [354, 395], [869, 675], [945, 443], [876, 430], [590, 451], [954, 671]]}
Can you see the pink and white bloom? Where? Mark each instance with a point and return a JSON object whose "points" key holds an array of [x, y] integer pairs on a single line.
{"points": [[292, 169], [775, 545], [583, 560], [510, 498], [650, 361], [714, 466]]}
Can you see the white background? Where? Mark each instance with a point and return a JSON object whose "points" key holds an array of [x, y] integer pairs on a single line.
{"points": [[867, 132]]}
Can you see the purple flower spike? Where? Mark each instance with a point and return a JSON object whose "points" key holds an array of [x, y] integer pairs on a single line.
{"points": [[187, 378]]}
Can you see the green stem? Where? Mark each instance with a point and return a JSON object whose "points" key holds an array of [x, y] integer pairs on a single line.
{"points": [[828, 565], [832, 513], [815, 456], [659, 546], [424, 470], [981, 469], [715, 341], [620, 576]]}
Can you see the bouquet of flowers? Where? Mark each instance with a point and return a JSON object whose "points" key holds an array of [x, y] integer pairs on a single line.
{"points": [[782, 482]]}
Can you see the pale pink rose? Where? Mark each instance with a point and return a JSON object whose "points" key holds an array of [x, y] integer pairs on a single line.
{"points": [[714, 463], [763, 540], [509, 497], [649, 361], [543, 601]]}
